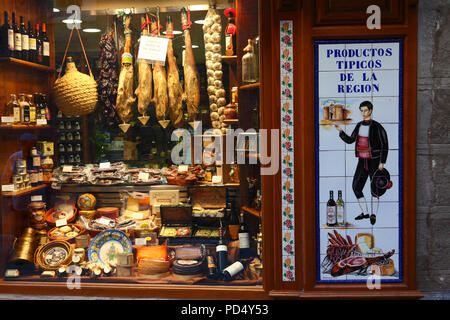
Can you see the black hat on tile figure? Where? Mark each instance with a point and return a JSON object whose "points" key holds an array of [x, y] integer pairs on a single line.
{"points": [[381, 181]]}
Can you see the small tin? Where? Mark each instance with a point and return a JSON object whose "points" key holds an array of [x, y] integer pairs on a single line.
{"points": [[69, 136], [68, 125], [21, 166], [71, 159], [124, 259], [78, 147], [69, 147], [61, 148], [62, 137], [77, 136], [17, 178]]}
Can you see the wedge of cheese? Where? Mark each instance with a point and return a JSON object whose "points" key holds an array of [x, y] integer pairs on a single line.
{"points": [[365, 242]]}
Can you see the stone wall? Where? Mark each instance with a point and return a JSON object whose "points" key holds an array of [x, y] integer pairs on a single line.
{"points": [[433, 147]]}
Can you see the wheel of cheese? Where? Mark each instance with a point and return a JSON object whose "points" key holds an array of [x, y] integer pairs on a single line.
{"points": [[86, 201]]}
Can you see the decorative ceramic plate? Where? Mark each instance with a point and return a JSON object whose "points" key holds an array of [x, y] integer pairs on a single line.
{"points": [[107, 244]]}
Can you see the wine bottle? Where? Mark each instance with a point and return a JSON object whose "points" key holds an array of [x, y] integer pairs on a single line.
{"points": [[24, 37], [46, 45], [24, 109], [230, 33], [31, 43], [331, 211], [46, 108], [234, 269], [39, 46], [33, 114], [7, 38], [16, 109], [244, 240], [233, 224], [17, 38], [211, 266], [340, 212], [221, 250]]}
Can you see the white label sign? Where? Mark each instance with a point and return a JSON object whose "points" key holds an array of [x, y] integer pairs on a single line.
{"points": [[216, 179], [183, 168], [153, 49], [140, 241], [61, 222], [7, 119], [143, 176], [105, 165], [8, 188], [36, 198], [67, 168], [41, 122]]}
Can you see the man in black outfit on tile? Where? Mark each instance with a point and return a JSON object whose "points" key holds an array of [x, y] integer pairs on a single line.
{"points": [[371, 149]]}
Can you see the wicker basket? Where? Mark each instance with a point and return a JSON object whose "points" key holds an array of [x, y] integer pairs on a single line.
{"points": [[75, 93]]}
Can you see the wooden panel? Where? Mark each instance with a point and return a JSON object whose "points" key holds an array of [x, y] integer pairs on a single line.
{"points": [[353, 12]]}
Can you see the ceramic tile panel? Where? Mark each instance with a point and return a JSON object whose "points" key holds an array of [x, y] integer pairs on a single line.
{"points": [[287, 150], [348, 73]]}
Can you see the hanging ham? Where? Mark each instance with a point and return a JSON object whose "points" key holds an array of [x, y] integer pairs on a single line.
{"points": [[175, 89], [144, 90], [191, 79], [125, 98], [160, 98]]}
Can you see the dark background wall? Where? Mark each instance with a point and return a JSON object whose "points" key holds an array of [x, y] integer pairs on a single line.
{"points": [[433, 148]]}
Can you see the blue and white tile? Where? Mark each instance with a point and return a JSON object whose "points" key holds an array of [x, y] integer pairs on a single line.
{"points": [[328, 84], [329, 138], [391, 57], [385, 109], [326, 56], [332, 163], [388, 81]]}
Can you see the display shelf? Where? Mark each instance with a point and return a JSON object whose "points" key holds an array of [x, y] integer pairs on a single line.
{"points": [[229, 59], [251, 211], [250, 86], [23, 126], [24, 192], [231, 121], [27, 64]]}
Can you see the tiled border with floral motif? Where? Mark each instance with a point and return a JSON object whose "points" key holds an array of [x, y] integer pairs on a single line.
{"points": [[287, 149]]}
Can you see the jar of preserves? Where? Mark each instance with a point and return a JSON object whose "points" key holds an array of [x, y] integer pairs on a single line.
{"points": [[37, 215]]}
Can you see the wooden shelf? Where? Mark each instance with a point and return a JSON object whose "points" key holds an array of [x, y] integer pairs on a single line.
{"points": [[229, 59], [26, 64], [231, 121], [251, 211], [250, 86], [24, 192], [23, 127]]}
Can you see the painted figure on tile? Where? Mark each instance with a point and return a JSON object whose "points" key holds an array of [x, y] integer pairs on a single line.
{"points": [[371, 149]]}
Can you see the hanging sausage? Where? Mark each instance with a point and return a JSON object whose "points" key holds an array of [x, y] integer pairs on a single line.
{"points": [[191, 79], [108, 80], [160, 97], [125, 98], [144, 90], [212, 35], [175, 90]]}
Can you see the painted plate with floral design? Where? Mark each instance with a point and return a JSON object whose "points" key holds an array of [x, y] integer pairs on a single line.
{"points": [[107, 244]]}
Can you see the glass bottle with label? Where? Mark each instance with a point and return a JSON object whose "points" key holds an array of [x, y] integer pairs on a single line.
{"points": [[46, 45], [234, 269], [24, 109], [24, 39], [39, 46], [17, 38], [244, 239], [221, 251], [331, 211], [212, 267], [7, 37], [230, 33], [33, 114], [45, 106], [31, 43], [13, 109], [340, 209], [249, 64]]}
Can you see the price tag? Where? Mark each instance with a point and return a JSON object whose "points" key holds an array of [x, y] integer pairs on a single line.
{"points": [[138, 215], [61, 222], [144, 176], [8, 188], [183, 168], [153, 49], [105, 165], [140, 241], [41, 122], [217, 179], [67, 169], [36, 198], [7, 119], [104, 221]]}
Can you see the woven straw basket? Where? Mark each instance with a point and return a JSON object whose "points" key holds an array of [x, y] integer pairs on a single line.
{"points": [[75, 93]]}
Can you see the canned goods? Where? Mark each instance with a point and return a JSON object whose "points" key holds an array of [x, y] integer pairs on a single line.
{"points": [[37, 213], [68, 125], [17, 178], [69, 147], [21, 166], [69, 136]]}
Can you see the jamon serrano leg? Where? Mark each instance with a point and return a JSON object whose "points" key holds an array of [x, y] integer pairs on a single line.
{"points": [[174, 87], [191, 78], [144, 90]]}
